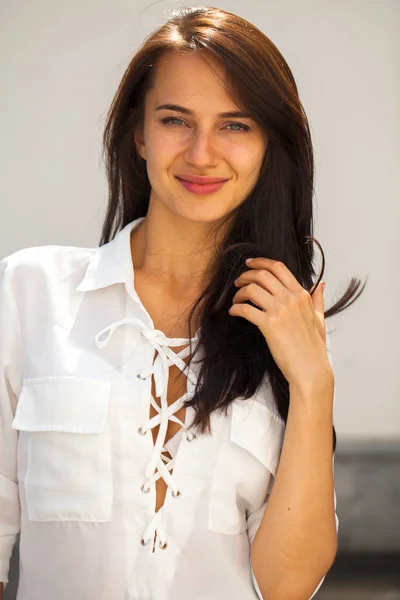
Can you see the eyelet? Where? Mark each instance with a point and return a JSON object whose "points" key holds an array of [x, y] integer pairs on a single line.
{"points": [[190, 437], [178, 493], [145, 491], [142, 431], [162, 546], [145, 373], [144, 543]]}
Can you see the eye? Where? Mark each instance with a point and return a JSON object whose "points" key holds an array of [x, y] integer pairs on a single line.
{"points": [[169, 119], [243, 127]]}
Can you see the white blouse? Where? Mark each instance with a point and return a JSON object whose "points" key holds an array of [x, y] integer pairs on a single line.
{"points": [[78, 463]]}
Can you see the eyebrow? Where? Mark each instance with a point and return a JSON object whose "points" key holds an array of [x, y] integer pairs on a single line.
{"points": [[187, 111]]}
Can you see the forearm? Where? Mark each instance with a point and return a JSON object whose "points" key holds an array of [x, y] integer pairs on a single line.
{"points": [[296, 542]]}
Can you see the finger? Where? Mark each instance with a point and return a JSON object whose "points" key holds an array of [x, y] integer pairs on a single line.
{"points": [[277, 268], [265, 279], [256, 294], [248, 312]]}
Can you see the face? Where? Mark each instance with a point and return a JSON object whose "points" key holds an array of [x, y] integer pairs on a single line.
{"points": [[178, 143]]}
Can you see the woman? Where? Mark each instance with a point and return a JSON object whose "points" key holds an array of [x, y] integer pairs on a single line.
{"points": [[167, 309]]}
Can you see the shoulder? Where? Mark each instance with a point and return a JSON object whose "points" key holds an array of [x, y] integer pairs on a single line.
{"points": [[43, 264]]}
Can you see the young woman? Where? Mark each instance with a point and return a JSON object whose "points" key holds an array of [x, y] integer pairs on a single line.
{"points": [[166, 426]]}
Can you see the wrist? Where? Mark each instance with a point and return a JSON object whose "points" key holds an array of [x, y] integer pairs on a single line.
{"points": [[320, 386]]}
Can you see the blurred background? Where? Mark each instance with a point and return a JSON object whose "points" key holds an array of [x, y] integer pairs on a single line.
{"points": [[61, 63]]}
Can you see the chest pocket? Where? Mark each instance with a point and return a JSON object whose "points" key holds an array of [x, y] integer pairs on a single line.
{"points": [[246, 461], [68, 475]]}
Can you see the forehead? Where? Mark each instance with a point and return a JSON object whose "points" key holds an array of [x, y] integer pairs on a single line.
{"points": [[196, 77]]}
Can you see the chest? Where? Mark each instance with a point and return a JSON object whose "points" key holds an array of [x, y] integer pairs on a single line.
{"points": [[176, 388], [177, 383], [169, 315]]}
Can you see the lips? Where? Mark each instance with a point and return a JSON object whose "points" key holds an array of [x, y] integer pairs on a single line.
{"points": [[203, 188], [201, 180]]}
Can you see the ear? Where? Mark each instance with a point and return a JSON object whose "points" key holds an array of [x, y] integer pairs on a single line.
{"points": [[139, 142]]}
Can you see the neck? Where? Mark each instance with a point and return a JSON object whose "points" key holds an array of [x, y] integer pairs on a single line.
{"points": [[176, 253]]}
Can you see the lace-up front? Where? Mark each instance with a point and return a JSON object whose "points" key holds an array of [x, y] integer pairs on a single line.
{"points": [[160, 370], [89, 409]]}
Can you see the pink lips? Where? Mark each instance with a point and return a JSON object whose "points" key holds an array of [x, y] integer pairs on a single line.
{"points": [[198, 179], [202, 188]]}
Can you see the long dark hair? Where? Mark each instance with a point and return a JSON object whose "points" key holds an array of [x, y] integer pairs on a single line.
{"points": [[275, 220]]}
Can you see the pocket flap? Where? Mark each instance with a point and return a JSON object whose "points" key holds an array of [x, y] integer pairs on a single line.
{"points": [[67, 404], [259, 431]]}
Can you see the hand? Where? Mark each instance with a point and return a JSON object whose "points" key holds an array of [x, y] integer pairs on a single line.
{"points": [[291, 320]]}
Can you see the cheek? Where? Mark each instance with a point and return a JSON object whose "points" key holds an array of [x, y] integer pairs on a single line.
{"points": [[165, 148], [248, 168], [246, 159], [158, 155], [159, 168]]}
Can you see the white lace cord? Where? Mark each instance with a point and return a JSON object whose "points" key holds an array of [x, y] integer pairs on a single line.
{"points": [[160, 370], [161, 378], [162, 469], [163, 415], [156, 525], [111, 328]]}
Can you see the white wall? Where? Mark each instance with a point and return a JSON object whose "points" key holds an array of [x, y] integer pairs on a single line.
{"points": [[61, 64]]}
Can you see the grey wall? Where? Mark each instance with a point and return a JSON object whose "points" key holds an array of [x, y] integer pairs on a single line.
{"points": [[61, 64]]}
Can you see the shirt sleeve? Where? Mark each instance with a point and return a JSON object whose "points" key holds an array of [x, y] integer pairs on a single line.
{"points": [[254, 519], [10, 378]]}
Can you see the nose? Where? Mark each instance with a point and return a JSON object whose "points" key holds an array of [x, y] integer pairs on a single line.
{"points": [[201, 150]]}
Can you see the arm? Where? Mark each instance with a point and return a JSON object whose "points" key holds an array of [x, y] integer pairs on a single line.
{"points": [[10, 383], [296, 542]]}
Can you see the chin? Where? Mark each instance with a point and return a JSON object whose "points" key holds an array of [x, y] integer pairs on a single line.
{"points": [[202, 214]]}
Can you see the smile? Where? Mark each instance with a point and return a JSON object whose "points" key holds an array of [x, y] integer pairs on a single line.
{"points": [[203, 188]]}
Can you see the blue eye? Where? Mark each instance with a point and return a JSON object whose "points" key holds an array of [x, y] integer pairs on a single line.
{"points": [[243, 127], [169, 119]]}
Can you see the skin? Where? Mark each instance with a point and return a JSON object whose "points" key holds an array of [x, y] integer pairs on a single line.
{"points": [[291, 320], [296, 542], [171, 248], [173, 245]]}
